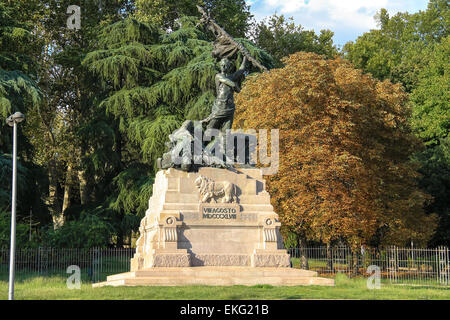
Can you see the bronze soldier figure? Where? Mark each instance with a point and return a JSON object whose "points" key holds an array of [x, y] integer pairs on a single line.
{"points": [[222, 114]]}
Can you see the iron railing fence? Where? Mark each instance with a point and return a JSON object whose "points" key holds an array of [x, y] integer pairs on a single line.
{"points": [[397, 265], [95, 264]]}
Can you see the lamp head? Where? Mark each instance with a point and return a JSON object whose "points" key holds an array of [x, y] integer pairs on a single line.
{"points": [[15, 118]]}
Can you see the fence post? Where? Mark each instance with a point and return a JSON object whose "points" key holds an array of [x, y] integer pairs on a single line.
{"points": [[447, 266], [393, 263], [94, 264], [443, 271], [437, 264], [388, 262], [39, 260]]}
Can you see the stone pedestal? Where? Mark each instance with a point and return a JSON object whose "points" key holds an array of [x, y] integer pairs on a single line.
{"points": [[215, 227], [215, 217]]}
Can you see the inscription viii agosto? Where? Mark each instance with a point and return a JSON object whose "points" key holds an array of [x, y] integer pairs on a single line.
{"points": [[220, 211]]}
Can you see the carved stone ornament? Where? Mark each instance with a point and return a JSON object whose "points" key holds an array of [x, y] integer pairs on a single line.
{"points": [[224, 191]]}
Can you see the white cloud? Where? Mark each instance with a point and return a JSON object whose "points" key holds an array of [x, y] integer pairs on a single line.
{"points": [[347, 18], [354, 13], [287, 6]]}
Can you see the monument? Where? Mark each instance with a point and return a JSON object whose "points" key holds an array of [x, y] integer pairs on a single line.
{"points": [[210, 222]]}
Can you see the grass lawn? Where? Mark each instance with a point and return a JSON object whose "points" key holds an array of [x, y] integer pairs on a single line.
{"points": [[54, 288]]}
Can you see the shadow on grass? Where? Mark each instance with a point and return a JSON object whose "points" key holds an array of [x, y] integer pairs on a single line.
{"points": [[297, 297], [419, 287]]}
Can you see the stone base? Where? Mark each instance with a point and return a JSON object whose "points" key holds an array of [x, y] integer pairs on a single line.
{"points": [[277, 259], [224, 260], [216, 276], [213, 217], [172, 260]]}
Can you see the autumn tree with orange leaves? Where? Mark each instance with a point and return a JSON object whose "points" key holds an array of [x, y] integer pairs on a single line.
{"points": [[345, 146]]}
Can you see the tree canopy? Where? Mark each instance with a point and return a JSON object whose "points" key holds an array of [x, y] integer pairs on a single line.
{"points": [[412, 49], [233, 15], [280, 37], [345, 145], [360, 155]]}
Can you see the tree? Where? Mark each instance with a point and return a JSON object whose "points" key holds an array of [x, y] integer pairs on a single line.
{"points": [[280, 37], [152, 81], [68, 90], [233, 15], [397, 50], [90, 230], [18, 92], [412, 49], [345, 146], [431, 95], [17, 88], [431, 121]]}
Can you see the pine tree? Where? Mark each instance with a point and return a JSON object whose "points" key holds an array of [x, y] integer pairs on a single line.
{"points": [[153, 80], [17, 87], [18, 92]]}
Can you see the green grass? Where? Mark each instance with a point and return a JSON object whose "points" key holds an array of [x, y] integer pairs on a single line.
{"points": [[37, 288], [316, 264]]}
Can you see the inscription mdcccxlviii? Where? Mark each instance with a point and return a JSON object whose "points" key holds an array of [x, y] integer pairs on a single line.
{"points": [[220, 212]]}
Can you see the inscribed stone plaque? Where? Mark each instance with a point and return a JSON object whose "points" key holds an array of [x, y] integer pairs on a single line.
{"points": [[220, 212]]}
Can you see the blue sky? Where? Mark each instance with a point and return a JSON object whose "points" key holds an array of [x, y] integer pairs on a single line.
{"points": [[346, 18]]}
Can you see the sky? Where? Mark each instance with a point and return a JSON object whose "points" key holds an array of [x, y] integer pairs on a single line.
{"points": [[348, 19]]}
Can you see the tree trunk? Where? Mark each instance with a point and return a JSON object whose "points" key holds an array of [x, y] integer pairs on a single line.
{"points": [[67, 190], [301, 241], [120, 240], [329, 258], [355, 262], [52, 201], [83, 187]]}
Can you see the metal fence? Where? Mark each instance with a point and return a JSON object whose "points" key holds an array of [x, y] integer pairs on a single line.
{"points": [[397, 265], [95, 264]]}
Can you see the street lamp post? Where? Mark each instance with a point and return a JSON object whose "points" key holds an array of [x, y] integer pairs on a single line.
{"points": [[13, 121]]}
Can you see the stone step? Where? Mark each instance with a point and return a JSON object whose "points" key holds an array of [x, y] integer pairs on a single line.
{"points": [[214, 281], [207, 272]]}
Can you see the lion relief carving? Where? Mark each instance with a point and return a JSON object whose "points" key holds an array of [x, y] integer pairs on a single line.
{"points": [[210, 190]]}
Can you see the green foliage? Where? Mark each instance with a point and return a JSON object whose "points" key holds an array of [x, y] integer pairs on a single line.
{"points": [[435, 180], [135, 188], [102, 100], [233, 15], [152, 80], [30, 182], [88, 231], [15, 38], [281, 37], [397, 50], [413, 49], [5, 180], [430, 98], [17, 89], [14, 84], [156, 78], [22, 232]]}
